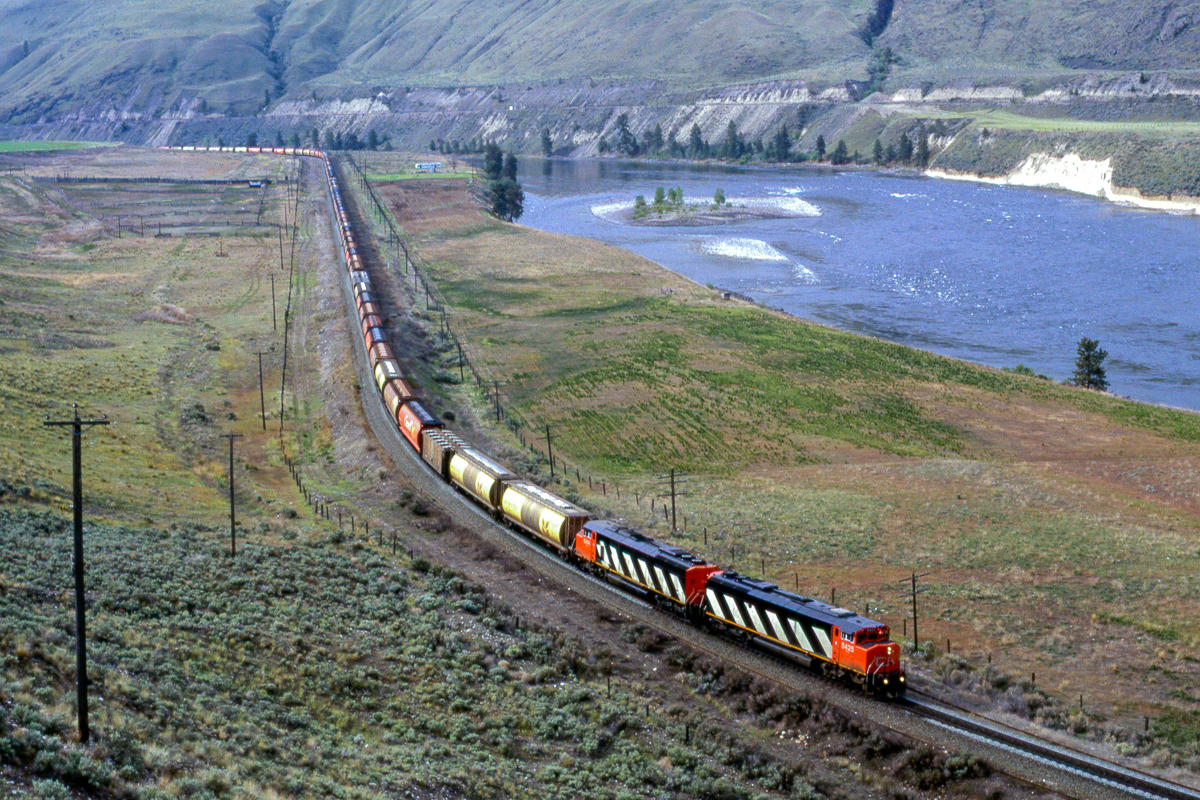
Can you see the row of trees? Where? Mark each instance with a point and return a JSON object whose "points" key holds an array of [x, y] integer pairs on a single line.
{"points": [[330, 141], [911, 148], [457, 147]]}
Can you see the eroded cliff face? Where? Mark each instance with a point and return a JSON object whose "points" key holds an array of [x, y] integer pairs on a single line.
{"points": [[579, 115]]}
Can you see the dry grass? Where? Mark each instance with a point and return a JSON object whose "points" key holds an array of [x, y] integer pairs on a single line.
{"points": [[144, 328], [1061, 530]]}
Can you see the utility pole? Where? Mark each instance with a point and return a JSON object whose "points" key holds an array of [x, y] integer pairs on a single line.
{"points": [[672, 498], [550, 451], [914, 591], [673, 479], [262, 398], [274, 322], [77, 426], [232, 521]]}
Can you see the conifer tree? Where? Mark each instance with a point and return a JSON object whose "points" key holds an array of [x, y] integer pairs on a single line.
{"points": [[1089, 369]]}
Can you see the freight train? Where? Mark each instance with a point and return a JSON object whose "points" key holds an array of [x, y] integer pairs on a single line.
{"points": [[835, 642]]}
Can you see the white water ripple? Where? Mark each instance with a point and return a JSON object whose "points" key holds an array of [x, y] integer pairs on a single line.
{"points": [[745, 249]]}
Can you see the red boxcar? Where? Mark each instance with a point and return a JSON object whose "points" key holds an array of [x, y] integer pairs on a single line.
{"points": [[414, 420]]}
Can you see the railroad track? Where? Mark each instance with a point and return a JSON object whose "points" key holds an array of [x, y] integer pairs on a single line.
{"points": [[1107, 773], [1023, 757]]}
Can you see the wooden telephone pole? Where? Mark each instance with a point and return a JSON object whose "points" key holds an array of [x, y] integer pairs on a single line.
{"points": [[77, 426]]}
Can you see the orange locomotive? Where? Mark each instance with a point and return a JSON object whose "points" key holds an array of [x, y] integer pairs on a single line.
{"points": [[835, 641]]}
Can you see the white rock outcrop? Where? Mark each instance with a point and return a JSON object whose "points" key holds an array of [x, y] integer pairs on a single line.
{"points": [[1072, 173]]}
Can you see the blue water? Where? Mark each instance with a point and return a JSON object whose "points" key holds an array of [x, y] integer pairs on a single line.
{"points": [[995, 275]]}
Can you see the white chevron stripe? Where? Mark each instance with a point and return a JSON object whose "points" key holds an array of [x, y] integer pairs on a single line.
{"points": [[663, 586], [780, 631], [756, 620], [714, 605], [823, 637], [632, 569], [731, 604], [678, 588], [801, 636]]}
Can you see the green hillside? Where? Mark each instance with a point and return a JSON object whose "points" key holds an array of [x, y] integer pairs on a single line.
{"points": [[137, 60]]}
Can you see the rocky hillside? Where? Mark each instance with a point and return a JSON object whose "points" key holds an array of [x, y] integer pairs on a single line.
{"points": [[469, 70], [133, 60]]}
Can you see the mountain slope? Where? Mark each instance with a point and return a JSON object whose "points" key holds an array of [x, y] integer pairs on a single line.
{"points": [[133, 56], [973, 38], [141, 60]]}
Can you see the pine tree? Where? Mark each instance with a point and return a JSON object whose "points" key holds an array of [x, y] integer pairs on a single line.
{"points": [[734, 146], [652, 139], [493, 161], [1089, 369], [820, 147], [697, 147], [923, 147], [841, 153], [627, 143], [508, 199], [547, 143], [878, 152], [782, 144]]}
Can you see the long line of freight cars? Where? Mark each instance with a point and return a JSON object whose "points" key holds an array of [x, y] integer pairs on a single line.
{"points": [[834, 641]]}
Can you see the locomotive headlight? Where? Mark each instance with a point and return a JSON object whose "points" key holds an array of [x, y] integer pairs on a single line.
{"points": [[885, 680]]}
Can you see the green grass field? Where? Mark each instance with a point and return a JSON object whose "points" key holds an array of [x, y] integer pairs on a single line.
{"points": [[316, 662], [830, 462], [24, 147]]}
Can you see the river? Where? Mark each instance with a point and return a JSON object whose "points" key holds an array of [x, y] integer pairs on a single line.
{"points": [[995, 275]]}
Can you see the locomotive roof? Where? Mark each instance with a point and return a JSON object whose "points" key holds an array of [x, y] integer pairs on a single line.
{"points": [[770, 594], [643, 543]]}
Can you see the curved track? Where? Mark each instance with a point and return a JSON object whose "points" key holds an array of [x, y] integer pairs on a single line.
{"points": [[1035, 761], [1106, 773]]}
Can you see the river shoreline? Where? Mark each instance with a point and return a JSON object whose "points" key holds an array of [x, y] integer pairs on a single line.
{"points": [[1074, 174]]}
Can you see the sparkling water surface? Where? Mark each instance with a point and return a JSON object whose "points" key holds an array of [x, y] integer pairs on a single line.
{"points": [[995, 275]]}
